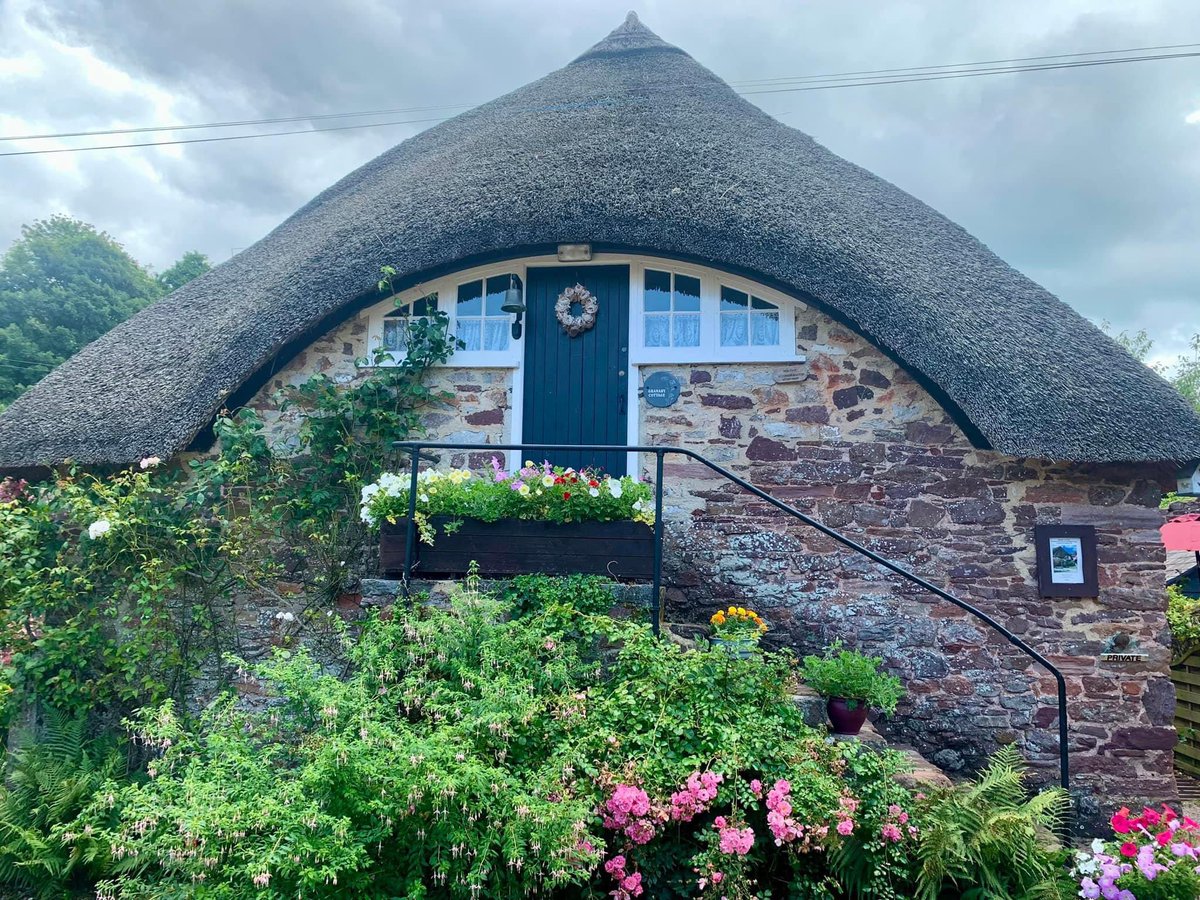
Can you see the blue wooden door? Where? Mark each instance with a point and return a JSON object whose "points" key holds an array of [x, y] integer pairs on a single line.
{"points": [[575, 387]]}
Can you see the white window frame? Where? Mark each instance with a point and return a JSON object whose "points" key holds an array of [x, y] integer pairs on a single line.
{"points": [[710, 350], [446, 288]]}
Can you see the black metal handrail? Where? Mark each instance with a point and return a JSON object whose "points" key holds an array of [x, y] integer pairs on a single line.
{"points": [[414, 448]]}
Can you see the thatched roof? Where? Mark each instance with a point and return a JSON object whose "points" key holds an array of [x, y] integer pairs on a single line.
{"points": [[632, 145]]}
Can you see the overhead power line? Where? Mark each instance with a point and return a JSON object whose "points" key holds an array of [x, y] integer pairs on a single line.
{"points": [[912, 70], [801, 84]]}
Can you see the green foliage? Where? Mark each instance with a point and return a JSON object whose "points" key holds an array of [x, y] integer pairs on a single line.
{"points": [[1183, 374], [1183, 616], [466, 754], [589, 595], [989, 839], [347, 431], [46, 788], [853, 676], [62, 284], [191, 265]]}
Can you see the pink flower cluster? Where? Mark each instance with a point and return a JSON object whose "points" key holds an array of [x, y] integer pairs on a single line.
{"points": [[779, 818], [734, 841], [628, 809], [897, 819], [629, 884], [847, 807], [696, 797]]}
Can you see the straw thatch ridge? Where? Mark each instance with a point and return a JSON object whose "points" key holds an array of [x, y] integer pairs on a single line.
{"points": [[633, 144]]}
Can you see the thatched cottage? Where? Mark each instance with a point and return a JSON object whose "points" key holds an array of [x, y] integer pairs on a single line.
{"points": [[819, 331]]}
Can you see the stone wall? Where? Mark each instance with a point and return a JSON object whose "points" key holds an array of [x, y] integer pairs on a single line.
{"points": [[849, 438]]}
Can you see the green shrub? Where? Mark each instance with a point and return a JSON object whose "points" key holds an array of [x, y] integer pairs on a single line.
{"points": [[854, 677], [1183, 616], [470, 753], [989, 839], [45, 849]]}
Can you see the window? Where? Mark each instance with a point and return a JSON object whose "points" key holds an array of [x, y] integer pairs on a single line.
{"points": [[747, 321], [479, 322], [671, 305], [395, 323]]}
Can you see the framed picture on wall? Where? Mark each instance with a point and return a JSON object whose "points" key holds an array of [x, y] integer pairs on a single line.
{"points": [[1066, 561]]}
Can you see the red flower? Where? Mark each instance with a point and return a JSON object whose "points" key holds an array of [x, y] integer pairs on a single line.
{"points": [[1129, 849], [1189, 823], [566, 495], [1151, 817], [593, 483], [1163, 838], [1120, 821]]}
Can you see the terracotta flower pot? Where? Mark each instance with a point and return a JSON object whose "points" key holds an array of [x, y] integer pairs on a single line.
{"points": [[846, 721]]}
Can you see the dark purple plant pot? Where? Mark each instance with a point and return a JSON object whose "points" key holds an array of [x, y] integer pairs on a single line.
{"points": [[846, 721]]}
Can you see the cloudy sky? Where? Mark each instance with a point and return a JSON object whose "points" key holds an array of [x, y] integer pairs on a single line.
{"points": [[1086, 179]]}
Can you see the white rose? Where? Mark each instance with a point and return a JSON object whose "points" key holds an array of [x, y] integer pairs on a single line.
{"points": [[99, 528], [150, 462]]}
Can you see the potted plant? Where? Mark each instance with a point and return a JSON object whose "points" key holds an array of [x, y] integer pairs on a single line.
{"points": [[540, 518], [737, 630], [851, 684]]}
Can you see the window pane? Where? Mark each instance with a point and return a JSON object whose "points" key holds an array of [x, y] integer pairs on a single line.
{"points": [[497, 286], [687, 330], [495, 334], [470, 302], [395, 333], [468, 333], [687, 293], [759, 303], [732, 300], [426, 305], [658, 331], [764, 329], [733, 329], [658, 292]]}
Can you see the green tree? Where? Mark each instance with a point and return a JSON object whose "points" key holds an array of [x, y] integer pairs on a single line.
{"points": [[63, 283], [1183, 374], [191, 265]]}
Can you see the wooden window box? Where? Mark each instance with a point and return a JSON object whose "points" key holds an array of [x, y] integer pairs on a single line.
{"points": [[623, 550]]}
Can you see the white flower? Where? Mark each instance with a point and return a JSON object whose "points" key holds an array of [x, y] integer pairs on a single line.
{"points": [[150, 462], [548, 480], [285, 616], [614, 487], [1098, 846], [99, 528], [593, 492], [424, 498]]}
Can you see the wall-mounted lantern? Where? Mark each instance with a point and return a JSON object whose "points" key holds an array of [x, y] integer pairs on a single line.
{"points": [[514, 306]]}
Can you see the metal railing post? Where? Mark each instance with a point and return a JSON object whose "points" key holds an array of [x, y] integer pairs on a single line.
{"points": [[656, 597], [410, 543]]}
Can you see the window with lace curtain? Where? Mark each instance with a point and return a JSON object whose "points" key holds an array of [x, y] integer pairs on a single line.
{"points": [[672, 309]]}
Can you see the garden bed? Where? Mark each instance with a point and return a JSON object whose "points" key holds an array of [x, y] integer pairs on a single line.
{"points": [[620, 549]]}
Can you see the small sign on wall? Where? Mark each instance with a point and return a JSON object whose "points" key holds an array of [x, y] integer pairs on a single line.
{"points": [[661, 389], [1066, 561]]}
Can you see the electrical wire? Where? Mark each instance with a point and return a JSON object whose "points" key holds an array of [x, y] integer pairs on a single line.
{"points": [[914, 70], [916, 77]]}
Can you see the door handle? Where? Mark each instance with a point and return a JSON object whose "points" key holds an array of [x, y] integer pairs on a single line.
{"points": [[621, 403]]}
